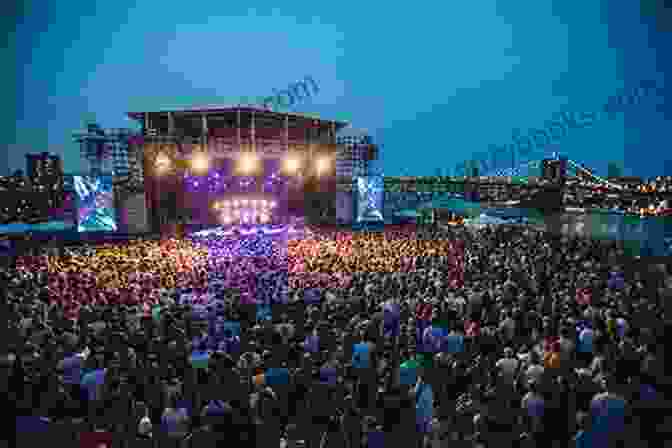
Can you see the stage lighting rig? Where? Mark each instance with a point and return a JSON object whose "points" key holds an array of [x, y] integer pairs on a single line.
{"points": [[292, 165], [248, 163], [162, 164], [200, 163], [321, 165]]}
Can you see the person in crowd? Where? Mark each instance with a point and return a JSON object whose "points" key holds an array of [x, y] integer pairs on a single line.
{"points": [[237, 338]]}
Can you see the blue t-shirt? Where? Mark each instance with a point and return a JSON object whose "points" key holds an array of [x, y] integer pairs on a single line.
{"points": [[328, 375], [31, 424], [360, 356], [608, 414], [585, 342], [454, 343], [391, 318], [91, 382], [584, 439], [376, 439], [408, 375], [647, 393], [275, 376], [312, 296], [229, 345], [424, 401], [199, 359], [312, 344], [72, 369], [171, 422], [216, 408]]}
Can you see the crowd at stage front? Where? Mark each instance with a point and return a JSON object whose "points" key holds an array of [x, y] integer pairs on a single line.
{"points": [[496, 337]]}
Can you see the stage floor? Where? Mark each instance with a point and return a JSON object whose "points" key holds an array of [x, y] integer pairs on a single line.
{"points": [[293, 231]]}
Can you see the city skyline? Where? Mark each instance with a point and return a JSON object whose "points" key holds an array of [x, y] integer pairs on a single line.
{"points": [[429, 102]]}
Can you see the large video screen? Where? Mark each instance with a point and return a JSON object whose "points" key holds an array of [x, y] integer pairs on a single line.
{"points": [[95, 204], [370, 199]]}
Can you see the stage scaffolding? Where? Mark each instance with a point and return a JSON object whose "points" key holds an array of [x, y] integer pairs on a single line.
{"points": [[229, 133], [355, 155]]}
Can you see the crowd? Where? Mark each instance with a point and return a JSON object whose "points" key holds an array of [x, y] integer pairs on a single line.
{"points": [[496, 337]]}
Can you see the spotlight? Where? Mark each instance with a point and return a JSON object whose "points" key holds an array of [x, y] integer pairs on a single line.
{"points": [[292, 165], [235, 203], [321, 165], [247, 163], [273, 204], [162, 163], [199, 162]]}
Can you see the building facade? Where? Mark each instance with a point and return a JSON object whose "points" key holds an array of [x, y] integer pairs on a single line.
{"points": [[356, 154], [45, 176], [107, 151]]}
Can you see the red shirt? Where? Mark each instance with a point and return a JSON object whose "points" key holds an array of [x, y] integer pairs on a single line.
{"points": [[95, 439], [423, 311], [551, 343], [472, 328]]}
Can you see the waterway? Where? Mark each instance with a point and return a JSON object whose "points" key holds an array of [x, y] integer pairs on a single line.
{"points": [[641, 235]]}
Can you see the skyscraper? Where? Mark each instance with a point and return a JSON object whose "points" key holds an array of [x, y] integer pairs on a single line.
{"points": [[45, 173]]}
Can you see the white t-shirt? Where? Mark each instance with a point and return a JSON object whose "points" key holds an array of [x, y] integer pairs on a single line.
{"points": [[535, 372], [508, 366]]}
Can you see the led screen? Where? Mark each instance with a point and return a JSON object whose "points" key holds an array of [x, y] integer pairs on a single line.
{"points": [[369, 199], [95, 204]]}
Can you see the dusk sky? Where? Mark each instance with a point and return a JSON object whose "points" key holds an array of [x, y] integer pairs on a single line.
{"points": [[433, 82]]}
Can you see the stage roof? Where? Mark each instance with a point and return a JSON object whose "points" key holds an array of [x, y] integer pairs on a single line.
{"points": [[211, 109]]}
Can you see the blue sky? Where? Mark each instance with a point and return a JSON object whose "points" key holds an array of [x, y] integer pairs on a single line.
{"points": [[433, 83]]}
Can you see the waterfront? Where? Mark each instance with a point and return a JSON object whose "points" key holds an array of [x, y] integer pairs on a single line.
{"points": [[643, 235]]}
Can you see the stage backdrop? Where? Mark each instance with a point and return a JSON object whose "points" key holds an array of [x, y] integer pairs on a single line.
{"points": [[369, 199]]}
